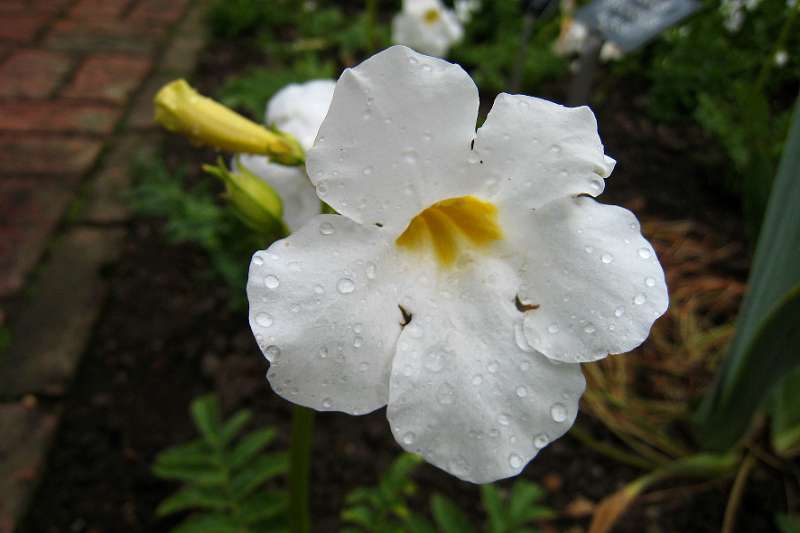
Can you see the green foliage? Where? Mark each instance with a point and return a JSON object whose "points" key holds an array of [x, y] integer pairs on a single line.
{"points": [[251, 90], [229, 19], [386, 509], [224, 475], [491, 45], [764, 349], [194, 216], [787, 523]]}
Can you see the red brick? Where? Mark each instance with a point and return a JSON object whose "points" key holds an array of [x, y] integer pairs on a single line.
{"points": [[157, 11], [32, 73], [22, 27], [98, 9], [110, 77], [57, 116], [48, 155], [97, 35]]}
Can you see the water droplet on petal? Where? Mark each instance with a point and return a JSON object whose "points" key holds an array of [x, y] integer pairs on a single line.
{"points": [[552, 328], [492, 366], [619, 311], [323, 352], [271, 282], [445, 394], [327, 403], [409, 438], [650, 282], [588, 249], [367, 171], [556, 149], [477, 379], [345, 286], [522, 391], [589, 329], [639, 299], [558, 412], [503, 419], [326, 228], [263, 320], [319, 289], [357, 342], [541, 440], [606, 258], [258, 260], [515, 461], [645, 253], [371, 270], [272, 353]]}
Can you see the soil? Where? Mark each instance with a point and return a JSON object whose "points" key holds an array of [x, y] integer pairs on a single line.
{"points": [[167, 335]]}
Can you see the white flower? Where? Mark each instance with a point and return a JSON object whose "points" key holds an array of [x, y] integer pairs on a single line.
{"points": [[426, 26], [572, 38], [467, 275], [781, 58], [297, 109], [465, 9]]}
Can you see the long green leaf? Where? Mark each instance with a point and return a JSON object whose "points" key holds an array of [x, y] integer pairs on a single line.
{"points": [[209, 523], [264, 468], [493, 505], [206, 415], [249, 446], [785, 411], [263, 505], [765, 346], [234, 425], [193, 498]]}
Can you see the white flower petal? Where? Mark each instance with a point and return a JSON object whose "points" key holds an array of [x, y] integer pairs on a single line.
{"points": [[596, 281], [324, 312], [300, 201], [396, 138], [534, 151], [299, 109], [467, 392]]}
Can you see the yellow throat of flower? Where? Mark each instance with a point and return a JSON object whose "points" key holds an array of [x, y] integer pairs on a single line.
{"points": [[448, 225], [431, 16]]}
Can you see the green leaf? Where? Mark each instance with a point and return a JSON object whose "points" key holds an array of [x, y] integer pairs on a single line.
{"points": [[396, 480], [418, 524], [361, 515], [234, 425], [262, 469], [195, 453], [249, 446], [521, 506], [448, 517], [785, 411], [208, 523], [493, 505], [205, 412], [787, 523], [263, 505], [193, 498], [764, 348], [200, 475]]}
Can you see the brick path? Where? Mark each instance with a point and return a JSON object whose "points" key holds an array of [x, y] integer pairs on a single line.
{"points": [[77, 79]]}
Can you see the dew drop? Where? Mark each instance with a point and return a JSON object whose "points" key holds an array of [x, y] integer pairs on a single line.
{"points": [[409, 438], [503, 419], [327, 403], [639, 299], [272, 353], [410, 156], [363, 367], [358, 342], [326, 228], [606, 258], [522, 391], [323, 352], [345, 286], [515, 461], [556, 149], [263, 320], [477, 379], [541, 440], [619, 311], [445, 394], [589, 329], [558, 412], [371, 270], [322, 188], [552, 328], [258, 261], [492, 366], [271, 282], [319, 289], [588, 249], [645, 253], [367, 171], [650, 282], [427, 68]]}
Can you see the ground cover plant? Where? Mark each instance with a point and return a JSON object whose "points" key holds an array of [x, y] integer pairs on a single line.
{"points": [[694, 410]]}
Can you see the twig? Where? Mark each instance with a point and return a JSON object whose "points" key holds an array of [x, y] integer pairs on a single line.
{"points": [[735, 498]]}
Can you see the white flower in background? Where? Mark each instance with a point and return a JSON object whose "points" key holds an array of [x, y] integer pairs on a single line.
{"points": [[426, 26], [465, 9], [572, 38], [297, 109], [733, 14], [467, 275], [610, 52], [781, 58]]}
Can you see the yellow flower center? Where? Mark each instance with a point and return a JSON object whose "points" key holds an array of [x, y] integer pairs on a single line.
{"points": [[448, 225], [431, 16]]}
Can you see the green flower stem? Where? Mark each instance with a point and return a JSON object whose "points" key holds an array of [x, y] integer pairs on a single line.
{"points": [[299, 469]]}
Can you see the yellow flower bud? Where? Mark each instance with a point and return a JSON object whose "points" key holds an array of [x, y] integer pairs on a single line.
{"points": [[181, 109]]}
